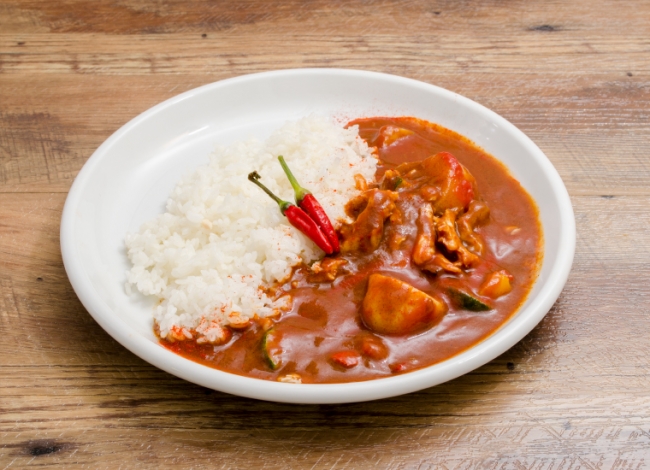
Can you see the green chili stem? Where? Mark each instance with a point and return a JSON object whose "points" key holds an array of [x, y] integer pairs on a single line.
{"points": [[284, 205], [299, 190]]}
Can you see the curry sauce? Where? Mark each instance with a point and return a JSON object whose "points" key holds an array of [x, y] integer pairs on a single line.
{"points": [[456, 256]]}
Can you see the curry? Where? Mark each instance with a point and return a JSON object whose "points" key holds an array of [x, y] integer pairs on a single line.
{"points": [[442, 248]]}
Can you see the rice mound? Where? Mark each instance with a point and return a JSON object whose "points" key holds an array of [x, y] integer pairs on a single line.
{"points": [[222, 240]]}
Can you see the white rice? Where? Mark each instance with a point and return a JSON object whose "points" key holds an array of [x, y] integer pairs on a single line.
{"points": [[221, 238]]}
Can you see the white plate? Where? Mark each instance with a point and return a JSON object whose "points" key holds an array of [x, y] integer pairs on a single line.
{"points": [[127, 181]]}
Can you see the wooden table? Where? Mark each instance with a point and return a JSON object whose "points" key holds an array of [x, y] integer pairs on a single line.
{"points": [[574, 76]]}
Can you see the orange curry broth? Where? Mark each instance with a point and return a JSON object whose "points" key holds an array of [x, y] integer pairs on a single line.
{"points": [[324, 318]]}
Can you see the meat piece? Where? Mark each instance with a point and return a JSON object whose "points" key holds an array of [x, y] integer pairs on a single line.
{"points": [[356, 205], [477, 214], [424, 251], [447, 235], [465, 257], [327, 269], [404, 168], [390, 134], [208, 331], [411, 171], [290, 379], [446, 227], [360, 182], [393, 307], [456, 184], [392, 180], [365, 233], [396, 239], [440, 263], [238, 321]]}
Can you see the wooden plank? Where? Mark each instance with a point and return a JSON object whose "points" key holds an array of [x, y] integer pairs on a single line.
{"points": [[43, 147], [564, 54], [320, 16]]}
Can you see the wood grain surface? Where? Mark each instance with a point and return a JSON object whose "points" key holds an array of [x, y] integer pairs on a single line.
{"points": [[574, 76]]}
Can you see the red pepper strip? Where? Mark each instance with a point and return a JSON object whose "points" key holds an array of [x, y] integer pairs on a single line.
{"points": [[297, 217], [347, 359], [306, 200]]}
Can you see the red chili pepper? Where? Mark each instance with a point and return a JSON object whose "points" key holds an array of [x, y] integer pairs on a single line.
{"points": [[306, 200], [297, 217]]}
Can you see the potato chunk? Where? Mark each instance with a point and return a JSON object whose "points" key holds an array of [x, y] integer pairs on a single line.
{"points": [[497, 284], [393, 307]]}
